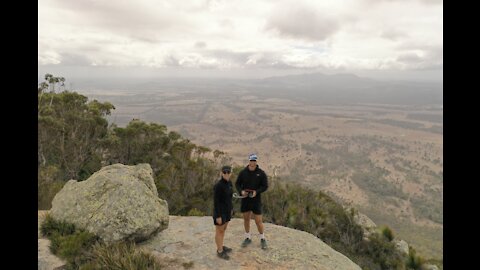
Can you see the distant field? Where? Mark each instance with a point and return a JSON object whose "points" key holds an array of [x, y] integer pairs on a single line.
{"points": [[365, 154]]}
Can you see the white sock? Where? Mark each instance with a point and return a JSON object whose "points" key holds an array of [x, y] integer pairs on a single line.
{"points": [[262, 236], [247, 235]]}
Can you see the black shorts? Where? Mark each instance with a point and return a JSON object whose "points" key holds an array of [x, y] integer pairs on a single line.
{"points": [[225, 218], [251, 205]]}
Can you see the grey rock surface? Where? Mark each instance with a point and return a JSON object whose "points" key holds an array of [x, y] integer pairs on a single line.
{"points": [[116, 203], [366, 223], [192, 240], [402, 246]]}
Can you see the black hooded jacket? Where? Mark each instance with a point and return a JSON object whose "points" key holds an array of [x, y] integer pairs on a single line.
{"points": [[255, 180], [222, 198]]}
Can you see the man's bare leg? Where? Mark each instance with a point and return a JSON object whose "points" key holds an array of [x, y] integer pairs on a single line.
{"points": [[259, 223], [246, 224], [246, 221]]}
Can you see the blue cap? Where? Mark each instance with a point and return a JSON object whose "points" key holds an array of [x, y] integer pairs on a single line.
{"points": [[252, 157]]}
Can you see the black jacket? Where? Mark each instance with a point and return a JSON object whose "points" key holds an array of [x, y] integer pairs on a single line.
{"points": [[256, 180], [222, 198]]}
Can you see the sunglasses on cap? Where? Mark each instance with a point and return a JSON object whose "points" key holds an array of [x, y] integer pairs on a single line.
{"points": [[226, 172]]}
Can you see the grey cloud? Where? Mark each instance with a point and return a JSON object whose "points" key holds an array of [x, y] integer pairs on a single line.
{"points": [[261, 59], [430, 52], [278, 64], [393, 34], [250, 60], [435, 52], [72, 59], [409, 58], [432, 57], [427, 2], [236, 57], [265, 59], [226, 23], [171, 61], [206, 59], [433, 2], [301, 22], [200, 45], [133, 20]]}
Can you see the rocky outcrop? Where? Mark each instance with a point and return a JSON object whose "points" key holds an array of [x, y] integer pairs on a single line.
{"points": [[402, 246], [369, 227], [117, 203], [191, 240], [366, 223]]}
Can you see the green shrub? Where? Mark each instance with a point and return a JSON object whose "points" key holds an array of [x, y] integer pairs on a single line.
{"points": [[122, 255], [387, 233], [414, 262], [195, 212], [381, 252], [67, 241], [73, 247], [84, 250], [51, 226]]}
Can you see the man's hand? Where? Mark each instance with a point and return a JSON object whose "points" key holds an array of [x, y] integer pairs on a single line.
{"points": [[219, 220], [254, 193], [244, 193]]}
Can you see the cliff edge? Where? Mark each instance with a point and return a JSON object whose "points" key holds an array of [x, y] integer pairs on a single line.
{"points": [[191, 240]]}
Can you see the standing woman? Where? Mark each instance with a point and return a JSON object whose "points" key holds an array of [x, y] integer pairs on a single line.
{"points": [[222, 210]]}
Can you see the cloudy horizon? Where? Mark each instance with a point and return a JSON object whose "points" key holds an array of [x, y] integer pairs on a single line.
{"points": [[233, 39]]}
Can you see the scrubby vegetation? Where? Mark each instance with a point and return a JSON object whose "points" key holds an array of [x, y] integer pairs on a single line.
{"points": [[85, 251], [296, 207]]}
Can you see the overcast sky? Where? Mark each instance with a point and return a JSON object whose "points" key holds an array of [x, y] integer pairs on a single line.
{"points": [[242, 39]]}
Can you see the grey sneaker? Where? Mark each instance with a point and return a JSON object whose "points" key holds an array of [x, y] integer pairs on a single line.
{"points": [[223, 255], [246, 242], [227, 249], [263, 243]]}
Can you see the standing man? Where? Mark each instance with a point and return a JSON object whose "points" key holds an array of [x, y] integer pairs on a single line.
{"points": [[251, 182]]}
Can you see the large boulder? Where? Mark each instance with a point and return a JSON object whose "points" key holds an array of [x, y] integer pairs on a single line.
{"points": [[116, 203]]}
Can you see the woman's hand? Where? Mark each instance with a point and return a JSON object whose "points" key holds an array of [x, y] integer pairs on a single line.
{"points": [[219, 220]]}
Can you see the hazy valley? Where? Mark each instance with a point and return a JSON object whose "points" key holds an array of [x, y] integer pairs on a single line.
{"points": [[375, 145]]}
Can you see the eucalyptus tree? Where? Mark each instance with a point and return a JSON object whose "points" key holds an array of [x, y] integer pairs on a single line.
{"points": [[70, 129]]}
